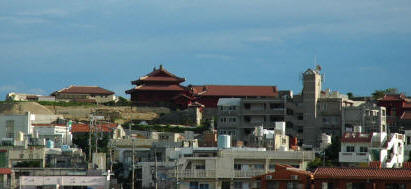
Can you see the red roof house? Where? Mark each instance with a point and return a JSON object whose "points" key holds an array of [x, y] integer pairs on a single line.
{"points": [[90, 94], [338, 177]]}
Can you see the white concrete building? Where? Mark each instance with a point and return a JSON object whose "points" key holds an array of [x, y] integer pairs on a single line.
{"points": [[11, 125], [362, 149], [59, 134], [232, 168]]}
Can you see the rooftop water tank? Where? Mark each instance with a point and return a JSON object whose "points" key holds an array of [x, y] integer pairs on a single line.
{"points": [[50, 144], [224, 141]]}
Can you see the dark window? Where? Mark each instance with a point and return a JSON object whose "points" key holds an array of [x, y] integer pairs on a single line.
{"points": [[276, 105], [237, 166], [247, 106], [350, 148], [200, 166], [363, 149], [247, 118], [193, 185], [300, 116]]}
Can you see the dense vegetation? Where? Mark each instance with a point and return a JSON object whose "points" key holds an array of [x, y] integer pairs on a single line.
{"points": [[328, 157]]}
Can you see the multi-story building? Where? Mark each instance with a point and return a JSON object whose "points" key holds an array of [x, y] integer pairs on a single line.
{"points": [[372, 149], [316, 111], [407, 143], [239, 117], [398, 111], [367, 115], [232, 168], [307, 114], [12, 125]]}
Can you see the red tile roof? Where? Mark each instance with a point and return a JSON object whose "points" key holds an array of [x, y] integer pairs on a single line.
{"points": [[160, 74], [84, 90], [237, 91], [84, 128], [392, 97], [5, 171], [156, 88], [362, 173], [356, 137], [406, 115], [407, 105]]}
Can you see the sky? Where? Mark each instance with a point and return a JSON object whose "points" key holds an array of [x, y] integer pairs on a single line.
{"points": [[50, 44]]}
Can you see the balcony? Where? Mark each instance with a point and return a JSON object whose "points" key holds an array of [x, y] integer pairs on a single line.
{"points": [[275, 111], [354, 157], [193, 173], [248, 173]]}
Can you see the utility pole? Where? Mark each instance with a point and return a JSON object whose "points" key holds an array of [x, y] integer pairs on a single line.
{"points": [[132, 170], [89, 141], [155, 169]]}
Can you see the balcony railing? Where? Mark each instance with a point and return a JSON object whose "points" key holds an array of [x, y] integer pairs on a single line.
{"points": [[268, 111], [248, 173], [193, 173], [353, 157]]}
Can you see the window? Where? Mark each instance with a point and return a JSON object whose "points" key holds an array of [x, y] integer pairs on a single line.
{"points": [[350, 148], [194, 185], [237, 166], [10, 128], [238, 185], [383, 112], [200, 166], [247, 106], [300, 129], [276, 105], [221, 108], [300, 116], [408, 140], [271, 167], [363, 149], [290, 112], [204, 186], [259, 166], [247, 119]]}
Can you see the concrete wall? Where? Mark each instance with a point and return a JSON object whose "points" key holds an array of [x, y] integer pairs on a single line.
{"points": [[19, 122]]}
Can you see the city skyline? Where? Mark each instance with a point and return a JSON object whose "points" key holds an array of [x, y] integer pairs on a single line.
{"points": [[361, 46]]}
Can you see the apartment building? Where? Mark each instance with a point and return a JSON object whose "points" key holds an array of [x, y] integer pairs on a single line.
{"points": [[367, 115], [232, 168], [307, 114], [407, 143], [239, 117], [372, 149]]}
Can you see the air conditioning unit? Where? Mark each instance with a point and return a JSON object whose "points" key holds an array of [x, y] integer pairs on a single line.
{"points": [[294, 177], [268, 177]]}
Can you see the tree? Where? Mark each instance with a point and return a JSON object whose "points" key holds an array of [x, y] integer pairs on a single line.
{"points": [[350, 95], [381, 93], [330, 153]]}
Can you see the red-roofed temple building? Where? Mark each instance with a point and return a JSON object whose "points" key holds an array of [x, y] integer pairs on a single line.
{"points": [[159, 88], [162, 88]]}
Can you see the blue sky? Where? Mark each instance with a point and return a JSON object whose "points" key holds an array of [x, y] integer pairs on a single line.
{"points": [[361, 45]]}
